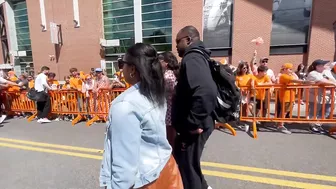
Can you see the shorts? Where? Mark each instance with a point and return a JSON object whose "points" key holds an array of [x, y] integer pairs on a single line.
{"points": [[258, 103]]}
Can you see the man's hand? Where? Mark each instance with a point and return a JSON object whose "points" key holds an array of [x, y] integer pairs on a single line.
{"points": [[197, 131]]}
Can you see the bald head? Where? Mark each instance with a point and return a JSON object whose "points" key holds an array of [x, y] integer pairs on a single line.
{"points": [[190, 31]]}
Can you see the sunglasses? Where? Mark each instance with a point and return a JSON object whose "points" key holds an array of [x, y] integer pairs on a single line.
{"points": [[264, 61]]}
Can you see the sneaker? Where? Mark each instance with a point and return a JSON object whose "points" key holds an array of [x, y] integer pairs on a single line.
{"points": [[284, 130], [2, 118], [247, 127], [39, 120], [314, 128], [45, 120], [209, 187], [321, 130], [58, 119]]}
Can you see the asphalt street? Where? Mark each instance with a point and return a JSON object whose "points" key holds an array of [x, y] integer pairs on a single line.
{"points": [[61, 156]]}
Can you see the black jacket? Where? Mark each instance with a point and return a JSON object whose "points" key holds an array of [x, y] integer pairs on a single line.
{"points": [[196, 92]]}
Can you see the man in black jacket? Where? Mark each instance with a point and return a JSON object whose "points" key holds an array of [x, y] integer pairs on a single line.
{"points": [[195, 100]]}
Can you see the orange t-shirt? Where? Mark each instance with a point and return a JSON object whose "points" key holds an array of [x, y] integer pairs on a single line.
{"points": [[260, 94], [286, 95], [13, 88], [76, 83], [53, 83], [244, 80], [122, 78], [31, 84]]}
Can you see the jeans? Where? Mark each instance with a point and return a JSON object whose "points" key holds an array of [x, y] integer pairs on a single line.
{"points": [[327, 109]]}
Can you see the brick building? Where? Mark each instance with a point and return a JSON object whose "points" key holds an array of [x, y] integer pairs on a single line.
{"points": [[86, 34]]}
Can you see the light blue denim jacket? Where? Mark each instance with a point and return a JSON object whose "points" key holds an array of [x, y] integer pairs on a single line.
{"points": [[136, 148]]}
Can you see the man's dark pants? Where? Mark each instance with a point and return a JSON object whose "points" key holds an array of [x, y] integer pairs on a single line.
{"points": [[188, 151], [43, 105]]}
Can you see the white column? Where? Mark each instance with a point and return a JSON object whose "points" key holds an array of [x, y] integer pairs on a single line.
{"points": [[76, 13], [43, 16], [137, 21], [11, 31]]}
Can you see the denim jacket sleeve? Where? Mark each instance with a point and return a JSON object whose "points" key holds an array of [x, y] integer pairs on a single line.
{"points": [[122, 147]]}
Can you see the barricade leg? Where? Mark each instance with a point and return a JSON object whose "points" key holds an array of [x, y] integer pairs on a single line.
{"points": [[32, 117], [228, 126], [76, 120], [91, 121], [254, 124], [332, 130]]}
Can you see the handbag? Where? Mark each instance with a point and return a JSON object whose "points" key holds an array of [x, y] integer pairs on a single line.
{"points": [[169, 178], [32, 94]]}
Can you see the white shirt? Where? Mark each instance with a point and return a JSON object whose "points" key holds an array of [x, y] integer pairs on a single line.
{"points": [[270, 74], [41, 83], [317, 76]]}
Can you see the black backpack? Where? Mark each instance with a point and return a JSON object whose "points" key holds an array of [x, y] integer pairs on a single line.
{"points": [[228, 96]]}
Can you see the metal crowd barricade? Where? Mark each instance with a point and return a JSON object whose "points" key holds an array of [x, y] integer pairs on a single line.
{"points": [[94, 106], [17, 102], [275, 108], [101, 103]]}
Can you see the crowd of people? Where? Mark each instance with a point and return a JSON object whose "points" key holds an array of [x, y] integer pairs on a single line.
{"points": [[45, 81], [319, 72]]}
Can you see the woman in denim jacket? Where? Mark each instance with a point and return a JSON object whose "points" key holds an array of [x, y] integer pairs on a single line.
{"points": [[137, 153]]}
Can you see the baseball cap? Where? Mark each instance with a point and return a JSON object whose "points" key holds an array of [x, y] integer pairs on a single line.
{"points": [[287, 66], [98, 70], [263, 58], [320, 62]]}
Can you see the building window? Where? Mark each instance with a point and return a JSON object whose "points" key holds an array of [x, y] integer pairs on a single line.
{"points": [[290, 28], [118, 18], [23, 37], [217, 25], [157, 24]]}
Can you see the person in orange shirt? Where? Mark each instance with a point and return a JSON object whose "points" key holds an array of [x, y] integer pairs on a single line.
{"points": [[75, 81], [31, 82], [67, 83], [260, 79], [287, 96], [120, 81], [53, 83], [244, 79], [12, 77]]}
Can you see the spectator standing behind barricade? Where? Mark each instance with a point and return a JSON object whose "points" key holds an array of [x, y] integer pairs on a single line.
{"points": [[119, 80], [170, 67], [23, 82], [53, 83], [136, 151], [3, 85], [244, 79], [75, 81], [315, 74], [260, 104], [102, 81], [195, 100], [31, 81], [301, 72], [66, 85], [88, 85], [43, 98], [287, 96]]}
